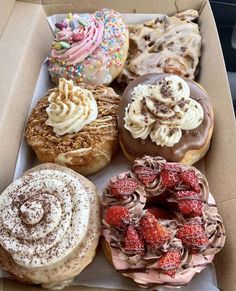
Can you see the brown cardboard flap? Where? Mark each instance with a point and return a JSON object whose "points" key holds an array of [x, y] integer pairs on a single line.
{"points": [[5, 11], [23, 49], [220, 167], [225, 261], [25, 43], [220, 162], [132, 6]]}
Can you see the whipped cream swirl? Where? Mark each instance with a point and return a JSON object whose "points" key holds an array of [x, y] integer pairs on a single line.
{"points": [[43, 217], [162, 111], [70, 108]]}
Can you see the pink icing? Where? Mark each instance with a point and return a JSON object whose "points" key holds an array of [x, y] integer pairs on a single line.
{"points": [[90, 38], [154, 277]]}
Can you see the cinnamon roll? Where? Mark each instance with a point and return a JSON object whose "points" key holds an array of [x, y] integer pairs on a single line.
{"points": [[167, 44], [50, 226], [75, 126], [161, 225]]}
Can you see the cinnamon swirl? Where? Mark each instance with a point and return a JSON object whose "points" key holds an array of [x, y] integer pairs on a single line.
{"points": [[75, 126], [50, 225], [167, 44]]}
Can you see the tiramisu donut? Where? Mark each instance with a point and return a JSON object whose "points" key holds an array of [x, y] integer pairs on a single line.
{"points": [[160, 223], [50, 225], [75, 126], [165, 115], [164, 45], [90, 48]]}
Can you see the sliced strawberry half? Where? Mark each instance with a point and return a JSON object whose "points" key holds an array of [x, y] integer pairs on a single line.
{"points": [[117, 216], [145, 174], [169, 179], [189, 177], [189, 203], [169, 262], [123, 187], [160, 213], [193, 236], [133, 244], [152, 231]]}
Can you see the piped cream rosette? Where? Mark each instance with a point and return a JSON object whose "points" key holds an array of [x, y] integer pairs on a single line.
{"points": [[70, 108], [49, 225], [162, 111]]}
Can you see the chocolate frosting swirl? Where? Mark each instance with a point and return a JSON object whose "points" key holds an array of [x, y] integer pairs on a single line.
{"points": [[134, 202]]}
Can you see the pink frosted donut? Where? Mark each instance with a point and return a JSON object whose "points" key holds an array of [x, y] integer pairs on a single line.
{"points": [[90, 48], [160, 223]]}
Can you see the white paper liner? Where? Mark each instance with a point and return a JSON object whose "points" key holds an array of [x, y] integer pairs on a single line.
{"points": [[100, 273]]}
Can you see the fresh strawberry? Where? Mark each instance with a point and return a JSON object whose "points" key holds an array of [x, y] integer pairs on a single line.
{"points": [[152, 231], [145, 174], [190, 178], [189, 202], [123, 187], [117, 216], [169, 179], [169, 262], [159, 213], [133, 244], [193, 236]]}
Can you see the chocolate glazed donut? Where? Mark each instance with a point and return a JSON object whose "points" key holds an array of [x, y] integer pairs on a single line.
{"points": [[193, 144]]}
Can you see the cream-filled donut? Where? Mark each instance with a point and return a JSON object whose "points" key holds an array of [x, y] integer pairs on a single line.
{"points": [[75, 126], [50, 225], [165, 115], [160, 223], [90, 48]]}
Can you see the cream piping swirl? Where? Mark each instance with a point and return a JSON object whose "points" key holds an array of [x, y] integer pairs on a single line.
{"points": [[59, 224], [70, 108], [82, 41], [162, 111]]}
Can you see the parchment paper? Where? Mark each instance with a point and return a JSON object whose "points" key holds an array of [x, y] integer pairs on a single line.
{"points": [[100, 273]]}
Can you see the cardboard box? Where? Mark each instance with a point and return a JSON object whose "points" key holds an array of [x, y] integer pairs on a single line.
{"points": [[25, 42]]}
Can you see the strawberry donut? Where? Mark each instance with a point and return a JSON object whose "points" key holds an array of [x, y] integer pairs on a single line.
{"points": [[160, 223], [89, 48]]}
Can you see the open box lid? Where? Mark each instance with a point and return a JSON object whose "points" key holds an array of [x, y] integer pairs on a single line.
{"points": [[25, 41]]}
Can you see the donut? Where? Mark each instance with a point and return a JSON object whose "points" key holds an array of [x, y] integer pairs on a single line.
{"points": [[75, 126], [165, 115], [161, 225], [89, 48], [50, 226], [166, 44]]}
